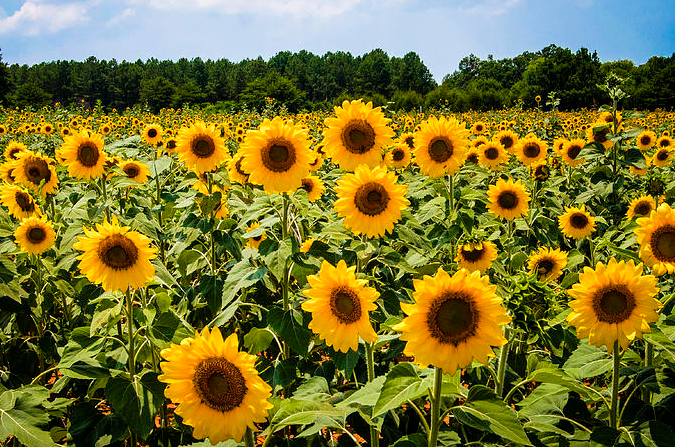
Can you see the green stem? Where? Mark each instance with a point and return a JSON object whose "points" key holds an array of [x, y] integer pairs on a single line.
{"points": [[592, 251], [436, 407], [285, 281], [132, 353], [649, 360], [452, 192], [159, 211], [248, 438], [615, 386], [421, 415], [503, 358], [370, 361], [105, 198]]}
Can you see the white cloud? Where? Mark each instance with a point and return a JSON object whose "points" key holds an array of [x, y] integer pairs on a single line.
{"points": [[293, 8], [121, 17], [36, 17]]}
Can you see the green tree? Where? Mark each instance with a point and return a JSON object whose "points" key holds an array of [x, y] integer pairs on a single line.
{"points": [[5, 81], [157, 92], [273, 85]]}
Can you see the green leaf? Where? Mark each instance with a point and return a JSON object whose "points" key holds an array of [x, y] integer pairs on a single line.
{"points": [[293, 333], [257, 340], [300, 412], [22, 416], [188, 262], [556, 376], [242, 274], [136, 402], [661, 341], [276, 260], [402, 383], [587, 361], [484, 411], [366, 396]]}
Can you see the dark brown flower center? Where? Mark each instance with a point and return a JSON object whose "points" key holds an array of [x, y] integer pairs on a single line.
{"points": [[491, 153], [579, 221], [36, 235], [36, 170], [472, 158], [88, 154], [541, 172], [410, 141], [152, 133], [131, 170], [507, 141], [600, 136], [531, 150], [203, 146], [371, 199], [545, 266], [220, 384], [507, 200], [662, 243], [398, 154], [643, 208], [13, 152], [662, 155], [440, 149], [479, 127], [664, 143], [171, 144], [118, 252], [345, 304], [237, 166], [573, 151], [24, 201], [645, 140], [358, 136], [307, 185], [452, 318], [613, 303], [472, 255], [278, 155]]}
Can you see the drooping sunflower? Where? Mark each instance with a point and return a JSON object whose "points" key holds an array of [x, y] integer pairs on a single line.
{"points": [[340, 306], [663, 156], [507, 138], [7, 172], [641, 206], [399, 157], [357, 135], [558, 145], [370, 201], [84, 155], [152, 134], [571, 150], [316, 160], [254, 242], [32, 169], [216, 386], [597, 133], [13, 149], [540, 170], [235, 172], [441, 146], [646, 140], [613, 302], [19, 202], [454, 320], [115, 257], [35, 235], [472, 156], [277, 156], [656, 236], [135, 170], [576, 222], [547, 263], [530, 150], [200, 147], [493, 155], [314, 187], [508, 199], [476, 257], [478, 142]]}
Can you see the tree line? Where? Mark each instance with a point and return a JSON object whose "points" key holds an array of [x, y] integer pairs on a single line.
{"points": [[304, 80]]}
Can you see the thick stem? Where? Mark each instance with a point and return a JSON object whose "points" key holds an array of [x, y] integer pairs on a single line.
{"points": [[501, 371], [132, 352], [436, 407], [105, 198], [285, 281], [159, 211], [649, 360], [248, 438], [615, 386], [452, 192], [370, 362]]}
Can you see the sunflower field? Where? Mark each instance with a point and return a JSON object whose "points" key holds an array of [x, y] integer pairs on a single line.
{"points": [[353, 277]]}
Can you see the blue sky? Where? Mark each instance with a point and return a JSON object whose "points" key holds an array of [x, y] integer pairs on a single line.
{"points": [[441, 32]]}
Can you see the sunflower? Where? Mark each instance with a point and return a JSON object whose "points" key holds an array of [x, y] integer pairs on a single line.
{"points": [[35, 235], [13, 149], [638, 171], [571, 150], [316, 160], [478, 142], [576, 222], [472, 156], [7, 172], [83, 154], [357, 135], [664, 142], [663, 156], [339, 304], [558, 145], [641, 207], [235, 172], [613, 302], [507, 138], [493, 155], [547, 263], [135, 170], [597, 133], [476, 257], [646, 140], [277, 156], [454, 320], [152, 133], [33, 170], [656, 236], [217, 387], [530, 150], [19, 202], [314, 187], [170, 145], [508, 199], [398, 157], [441, 146], [478, 128], [254, 242], [201, 148], [370, 201], [115, 257], [540, 170], [408, 139]]}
